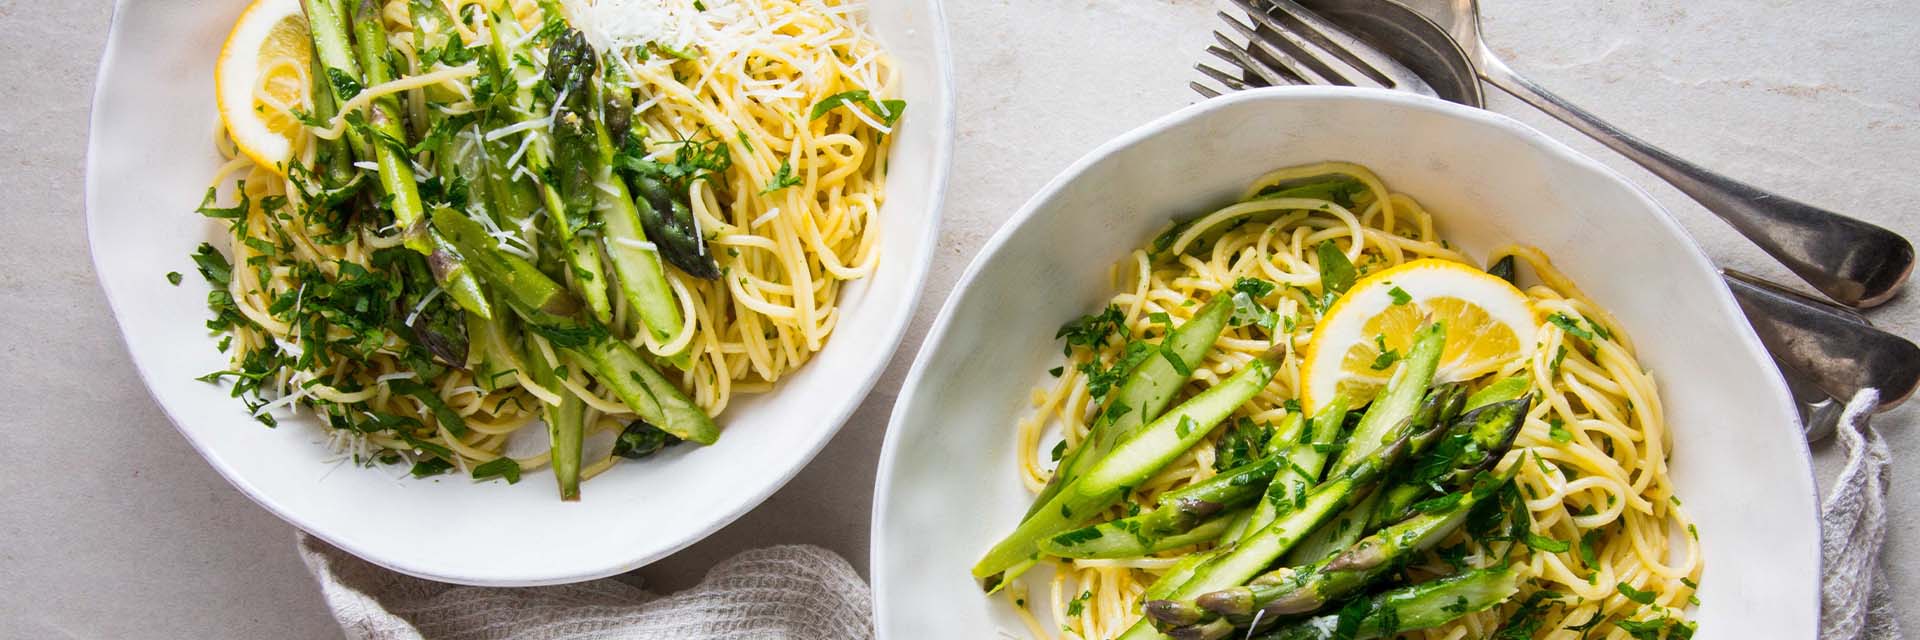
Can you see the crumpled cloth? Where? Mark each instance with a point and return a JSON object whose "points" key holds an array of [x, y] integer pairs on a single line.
{"points": [[1855, 603], [809, 593], [776, 593]]}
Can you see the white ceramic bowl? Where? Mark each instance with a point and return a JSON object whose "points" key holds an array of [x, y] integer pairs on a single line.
{"points": [[148, 163], [947, 487]]}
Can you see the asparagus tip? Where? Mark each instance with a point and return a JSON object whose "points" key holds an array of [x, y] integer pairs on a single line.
{"points": [[1172, 613], [1365, 555], [1292, 602], [1237, 601]]}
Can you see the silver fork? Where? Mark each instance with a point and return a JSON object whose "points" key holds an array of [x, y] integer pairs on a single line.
{"points": [[1292, 45]]}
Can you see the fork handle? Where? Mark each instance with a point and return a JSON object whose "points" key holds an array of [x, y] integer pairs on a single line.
{"points": [[1854, 262]]}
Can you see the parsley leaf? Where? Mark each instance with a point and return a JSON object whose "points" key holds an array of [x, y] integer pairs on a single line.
{"points": [[501, 467], [782, 178], [1570, 326], [1336, 271], [1636, 595], [1547, 544], [887, 110]]}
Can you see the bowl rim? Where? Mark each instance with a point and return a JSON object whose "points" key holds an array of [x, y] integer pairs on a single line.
{"points": [[1292, 96], [899, 321]]}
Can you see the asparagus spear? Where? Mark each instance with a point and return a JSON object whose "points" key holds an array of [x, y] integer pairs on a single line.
{"points": [[1147, 390], [1475, 442], [388, 138], [1290, 591], [1402, 396], [333, 51], [581, 252], [1179, 511], [1421, 606], [566, 426], [584, 161], [668, 220], [333, 159], [1127, 465]]}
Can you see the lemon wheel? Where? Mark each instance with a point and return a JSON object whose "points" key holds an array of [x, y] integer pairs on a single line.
{"points": [[262, 77], [1357, 344]]}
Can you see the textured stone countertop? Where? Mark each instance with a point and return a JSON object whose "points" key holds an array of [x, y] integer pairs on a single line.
{"points": [[113, 527]]}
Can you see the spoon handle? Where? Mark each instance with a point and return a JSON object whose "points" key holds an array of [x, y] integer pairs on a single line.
{"points": [[1854, 262]]}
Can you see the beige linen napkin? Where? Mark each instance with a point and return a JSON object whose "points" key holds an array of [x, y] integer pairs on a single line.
{"points": [[776, 593], [1855, 602]]}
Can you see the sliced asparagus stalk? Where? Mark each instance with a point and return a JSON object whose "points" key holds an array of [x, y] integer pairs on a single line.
{"points": [[584, 155], [554, 313], [1147, 391], [333, 50], [566, 426], [1401, 397], [389, 145], [1501, 390], [1397, 403], [1412, 608], [1305, 462], [1179, 512], [1127, 465], [1255, 553]]}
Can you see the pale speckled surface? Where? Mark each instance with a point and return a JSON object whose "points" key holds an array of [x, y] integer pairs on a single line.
{"points": [[115, 528]]}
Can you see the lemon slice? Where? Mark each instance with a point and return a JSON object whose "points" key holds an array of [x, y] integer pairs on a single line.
{"points": [[1357, 343], [261, 77]]}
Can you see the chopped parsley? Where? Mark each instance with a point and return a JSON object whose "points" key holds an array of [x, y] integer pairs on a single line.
{"points": [[1571, 326], [1557, 430], [1636, 595], [1078, 603], [782, 178], [1387, 357]]}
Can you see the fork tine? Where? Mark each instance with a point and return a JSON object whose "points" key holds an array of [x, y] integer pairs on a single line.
{"points": [[1299, 41], [1222, 77], [1360, 55], [1239, 57], [1270, 57], [1248, 76], [1204, 90]]}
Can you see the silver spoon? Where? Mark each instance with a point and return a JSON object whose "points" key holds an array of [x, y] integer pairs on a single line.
{"points": [[1854, 262]]}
